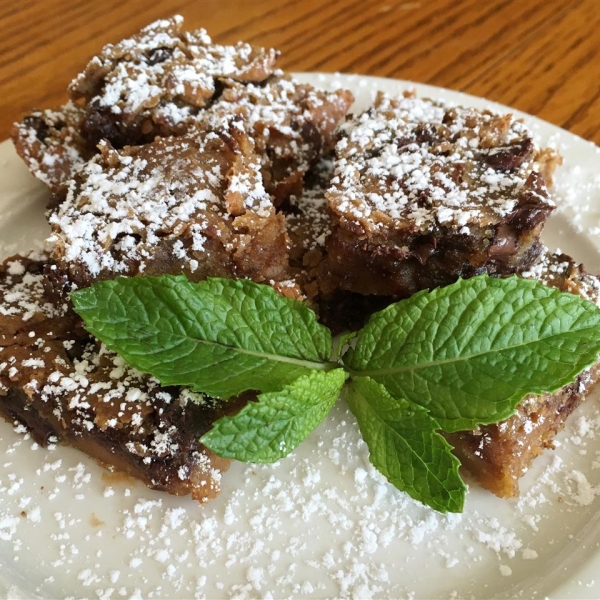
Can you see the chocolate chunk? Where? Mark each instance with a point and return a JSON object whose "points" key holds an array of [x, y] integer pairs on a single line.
{"points": [[511, 157], [159, 55], [505, 243]]}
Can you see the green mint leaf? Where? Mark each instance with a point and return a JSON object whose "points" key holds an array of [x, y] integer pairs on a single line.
{"points": [[405, 447], [271, 428], [219, 336], [471, 351]]}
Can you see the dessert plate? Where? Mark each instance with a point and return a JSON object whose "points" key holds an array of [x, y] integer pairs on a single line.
{"points": [[321, 523]]}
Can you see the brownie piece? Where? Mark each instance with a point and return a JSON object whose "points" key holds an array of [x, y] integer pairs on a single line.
{"points": [[64, 386], [51, 144], [154, 82], [193, 204], [424, 193], [498, 455]]}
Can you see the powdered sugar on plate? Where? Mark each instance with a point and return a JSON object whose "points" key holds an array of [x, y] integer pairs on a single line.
{"points": [[321, 523]]}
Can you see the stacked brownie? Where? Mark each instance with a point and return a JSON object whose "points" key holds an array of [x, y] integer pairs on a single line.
{"points": [[424, 193], [167, 82], [178, 155]]}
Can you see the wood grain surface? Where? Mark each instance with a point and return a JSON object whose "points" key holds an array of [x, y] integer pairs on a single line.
{"points": [[540, 56]]}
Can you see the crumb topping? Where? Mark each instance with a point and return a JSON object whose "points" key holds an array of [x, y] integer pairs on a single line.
{"points": [[413, 163], [100, 390], [291, 123]]}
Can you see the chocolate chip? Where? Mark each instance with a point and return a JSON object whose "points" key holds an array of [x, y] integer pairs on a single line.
{"points": [[426, 133], [159, 55], [510, 157], [101, 123], [423, 247], [505, 242], [41, 128], [530, 211]]}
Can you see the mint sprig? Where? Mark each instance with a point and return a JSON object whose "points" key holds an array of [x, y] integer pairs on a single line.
{"points": [[220, 336], [270, 428], [404, 445], [447, 360], [471, 351]]}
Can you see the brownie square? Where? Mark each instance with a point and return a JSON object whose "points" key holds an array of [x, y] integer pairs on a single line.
{"points": [[155, 82], [424, 193], [193, 204], [63, 386], [499, 455]]}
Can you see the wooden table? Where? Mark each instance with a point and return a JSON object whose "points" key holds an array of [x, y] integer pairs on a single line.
{"points": [[541, 56]]}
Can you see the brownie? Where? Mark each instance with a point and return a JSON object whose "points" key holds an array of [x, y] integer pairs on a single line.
{"points": [[194, 204], [499, 455], [167, 82], [424, 193], [292, 124], [156, 81], [64, 386]]}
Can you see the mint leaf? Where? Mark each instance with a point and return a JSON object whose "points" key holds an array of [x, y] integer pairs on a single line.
{"points": [[271, 428], [405, 447], [219, 336], [470, 352]]}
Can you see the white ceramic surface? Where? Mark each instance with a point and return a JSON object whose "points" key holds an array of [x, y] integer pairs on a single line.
{"points": [[321, 523]]}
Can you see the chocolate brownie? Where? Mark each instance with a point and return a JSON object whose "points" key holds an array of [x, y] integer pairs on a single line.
{"points": [[499, 455], [155, 82], [193, 204], [424, 193], [178, 155], [64, 386], [167, 82]]}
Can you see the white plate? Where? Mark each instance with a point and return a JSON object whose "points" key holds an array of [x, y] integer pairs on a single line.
{"points": [[321, 523]]}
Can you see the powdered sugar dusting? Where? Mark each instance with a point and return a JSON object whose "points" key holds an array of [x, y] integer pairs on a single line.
{"points": [[283, 530], [142, 199], [415, 163], [162, 69]]}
